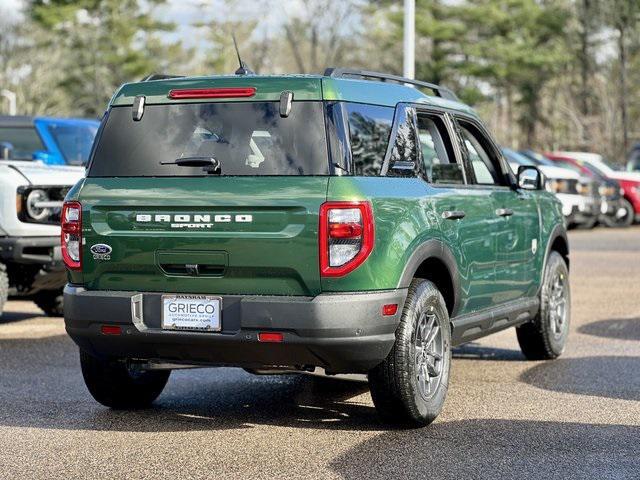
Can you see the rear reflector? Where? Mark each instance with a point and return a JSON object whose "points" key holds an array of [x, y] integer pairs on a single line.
{"points": [[273, 337], [111, 330], [389, 309], [235, 92]]}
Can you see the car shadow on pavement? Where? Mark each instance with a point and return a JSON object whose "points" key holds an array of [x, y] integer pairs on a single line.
{"points": [[10, 317], [476, 351], [47, 372], [607, 376], [618, 328], [496, 448]]}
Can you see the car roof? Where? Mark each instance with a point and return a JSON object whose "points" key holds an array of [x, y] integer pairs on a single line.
{"points": [[22, 121], [16, 121], [304, 87]]}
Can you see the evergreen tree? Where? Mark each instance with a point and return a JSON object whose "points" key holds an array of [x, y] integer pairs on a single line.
{"points": [[107, 43]]}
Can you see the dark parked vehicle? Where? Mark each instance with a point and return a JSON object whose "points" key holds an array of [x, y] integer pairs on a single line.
{"points": [[633, 165]]}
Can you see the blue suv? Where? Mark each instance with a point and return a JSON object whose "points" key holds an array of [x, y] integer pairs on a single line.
{"points": [[53, 141]]}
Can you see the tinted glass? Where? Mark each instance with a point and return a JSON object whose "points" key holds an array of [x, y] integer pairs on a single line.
{"points": [[247, 138], [515, 157], [569, 166], [369, 131], [24, 140], [74, 141], [403, 160], [438, 158], [480, 159]]}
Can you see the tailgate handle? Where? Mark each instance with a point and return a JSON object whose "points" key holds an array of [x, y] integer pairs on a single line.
{"points": [[193, 264], [193, 269], [453, 214]]}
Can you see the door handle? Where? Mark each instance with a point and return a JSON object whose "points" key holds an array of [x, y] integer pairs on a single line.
{"points": [[453, 214], [504, 212]]}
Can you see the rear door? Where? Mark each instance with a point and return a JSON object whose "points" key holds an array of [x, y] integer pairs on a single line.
{"points": [[465, 212], [250, 227], [516, 212]]}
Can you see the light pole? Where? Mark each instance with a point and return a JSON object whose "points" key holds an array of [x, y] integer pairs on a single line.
{"points": [[409, 38], [11, 98]]}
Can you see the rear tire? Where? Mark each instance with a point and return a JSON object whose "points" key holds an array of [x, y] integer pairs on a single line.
{"points": [[115, 385], [545, 337], [51, 302], [4, 287], [624, 220], [410, 386]]}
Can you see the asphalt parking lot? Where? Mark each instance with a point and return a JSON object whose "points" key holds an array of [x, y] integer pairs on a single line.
{"points": [[576, 417]]}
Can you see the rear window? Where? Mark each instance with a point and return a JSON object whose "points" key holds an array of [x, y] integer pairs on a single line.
{"points": [[24, 141], [248, 138]]}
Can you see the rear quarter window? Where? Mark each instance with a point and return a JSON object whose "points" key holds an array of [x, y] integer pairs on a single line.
{"points": [[369, 132], [247, 138]]}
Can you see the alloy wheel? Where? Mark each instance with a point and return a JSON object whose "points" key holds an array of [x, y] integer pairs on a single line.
{"points": [[558, 304], [429, 354]]}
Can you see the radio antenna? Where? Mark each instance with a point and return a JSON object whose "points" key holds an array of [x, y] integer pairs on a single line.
{"points": [[244, 69]]}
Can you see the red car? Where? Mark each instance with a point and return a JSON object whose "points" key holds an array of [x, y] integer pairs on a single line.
{"points": [[627, 209]]}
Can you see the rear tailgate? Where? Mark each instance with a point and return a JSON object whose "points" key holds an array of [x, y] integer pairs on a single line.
{"points": [[217, 235]]}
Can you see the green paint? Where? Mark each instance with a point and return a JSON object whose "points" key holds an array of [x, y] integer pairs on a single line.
{"points": [[498, 259]]}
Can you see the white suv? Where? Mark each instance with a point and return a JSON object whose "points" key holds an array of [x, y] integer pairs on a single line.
{"points": [[31, 196]]}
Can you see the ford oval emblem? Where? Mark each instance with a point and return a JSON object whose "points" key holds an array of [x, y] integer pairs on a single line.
{"points": [[101, 249]]}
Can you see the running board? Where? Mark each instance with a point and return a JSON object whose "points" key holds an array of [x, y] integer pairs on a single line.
{"points": [[474, 325]]}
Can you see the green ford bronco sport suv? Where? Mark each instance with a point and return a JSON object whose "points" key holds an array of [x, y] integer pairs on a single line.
{"points": [[346, 221]]}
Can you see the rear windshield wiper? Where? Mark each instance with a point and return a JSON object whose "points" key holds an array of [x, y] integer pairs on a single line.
{"points": [[209, 164]]}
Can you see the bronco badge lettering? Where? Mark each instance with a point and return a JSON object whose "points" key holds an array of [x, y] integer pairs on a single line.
{"points": [[196, 221]]}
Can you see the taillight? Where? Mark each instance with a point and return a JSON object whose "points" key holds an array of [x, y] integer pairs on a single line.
{"points": [[346, 236], [71, 235]]}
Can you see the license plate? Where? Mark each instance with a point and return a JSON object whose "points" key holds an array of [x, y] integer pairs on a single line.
{"points": [[192, 312]]}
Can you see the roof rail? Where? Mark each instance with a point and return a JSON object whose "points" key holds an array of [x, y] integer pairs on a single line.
{"points": [[159, 76], [442, 92]]}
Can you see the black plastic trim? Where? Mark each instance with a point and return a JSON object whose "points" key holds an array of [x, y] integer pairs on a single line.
{"points": [[12, 249], [341, 332], [433, 249], [479, 324]]}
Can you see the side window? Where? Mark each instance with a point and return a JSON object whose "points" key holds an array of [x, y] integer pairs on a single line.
{"points": [[482, 164], [369, 131], [403, 161], [438, 158], [24, 141]]}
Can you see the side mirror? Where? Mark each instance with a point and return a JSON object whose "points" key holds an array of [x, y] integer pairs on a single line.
{"points": [[530, 178]]}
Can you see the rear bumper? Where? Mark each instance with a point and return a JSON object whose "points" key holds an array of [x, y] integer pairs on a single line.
{"points": [[343, 333]]}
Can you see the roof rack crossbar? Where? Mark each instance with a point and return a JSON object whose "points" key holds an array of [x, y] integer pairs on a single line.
{"points": [[384, 77], [160, 76]]}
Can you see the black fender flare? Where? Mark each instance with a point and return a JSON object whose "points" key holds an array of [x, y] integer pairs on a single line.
{"points": [[435, 249], [557, 232]]}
